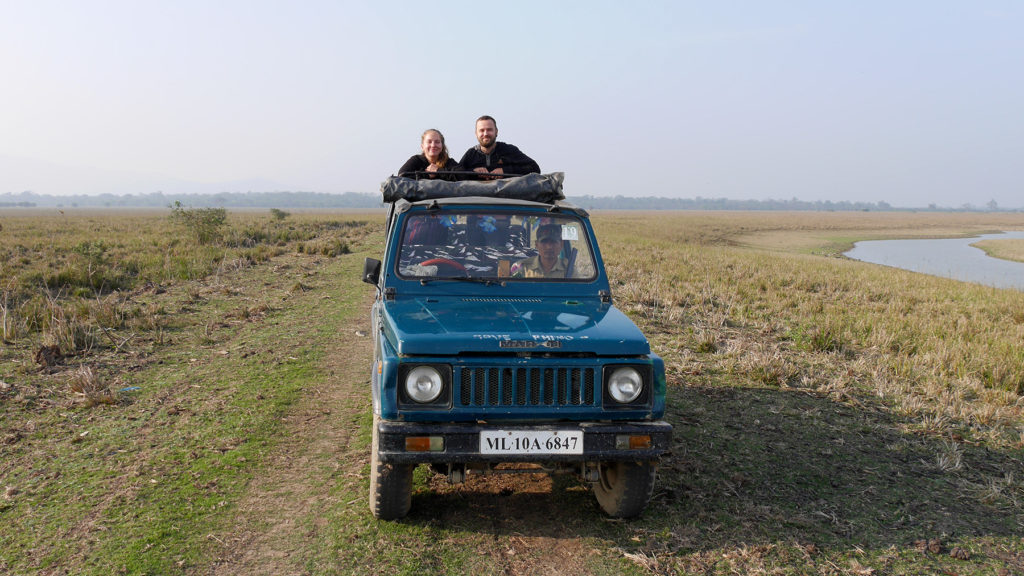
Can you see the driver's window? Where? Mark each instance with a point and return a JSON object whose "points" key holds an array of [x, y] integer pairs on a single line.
{"points": [[560, 250]]}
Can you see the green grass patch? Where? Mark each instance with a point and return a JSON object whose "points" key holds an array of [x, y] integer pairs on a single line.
{"points": [[140, 485], [830, 416]]}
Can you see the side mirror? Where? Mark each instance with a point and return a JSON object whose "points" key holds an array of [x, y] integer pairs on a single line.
{"points": [[371, 271]]}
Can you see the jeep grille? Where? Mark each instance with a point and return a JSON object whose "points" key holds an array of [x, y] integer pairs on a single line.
{"points": [[503, 299], [526, 386]]}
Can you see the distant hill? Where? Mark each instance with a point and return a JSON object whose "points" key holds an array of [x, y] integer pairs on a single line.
{"points": [[43, 177]]}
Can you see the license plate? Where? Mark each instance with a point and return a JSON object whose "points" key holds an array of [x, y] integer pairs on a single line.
{"points": [[531, 442]]}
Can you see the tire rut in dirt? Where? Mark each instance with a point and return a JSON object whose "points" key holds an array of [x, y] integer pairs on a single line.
{"points": [[283, 501]]}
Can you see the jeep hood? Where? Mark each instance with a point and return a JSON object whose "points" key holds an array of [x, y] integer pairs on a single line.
{"points": [[442, 326]]}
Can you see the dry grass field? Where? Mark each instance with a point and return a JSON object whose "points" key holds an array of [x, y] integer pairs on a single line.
{"points": [[188, 396], [1012, 249], [785, 341]]}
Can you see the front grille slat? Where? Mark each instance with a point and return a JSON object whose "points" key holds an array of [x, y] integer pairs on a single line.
{"points": [[493, 384], [525, 387]]}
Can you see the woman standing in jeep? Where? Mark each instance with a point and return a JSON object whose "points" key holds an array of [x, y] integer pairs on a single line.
{"points": [[434, 158]]}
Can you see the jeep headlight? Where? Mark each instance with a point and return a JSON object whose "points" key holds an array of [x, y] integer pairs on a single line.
{"points": [[625, 384], [424, 384]]}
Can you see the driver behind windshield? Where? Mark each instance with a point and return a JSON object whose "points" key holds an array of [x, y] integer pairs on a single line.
{"points": [[547, 263]]}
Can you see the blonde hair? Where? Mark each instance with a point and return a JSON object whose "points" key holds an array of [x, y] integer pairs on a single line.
{"points": [[442, 158]]}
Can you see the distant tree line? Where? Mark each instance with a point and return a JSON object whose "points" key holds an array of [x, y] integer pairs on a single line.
{"points": [[221, 200], [313, 200], [699, 203]]}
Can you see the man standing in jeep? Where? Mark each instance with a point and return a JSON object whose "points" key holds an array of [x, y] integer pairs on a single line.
{"points": [[491, 156]]}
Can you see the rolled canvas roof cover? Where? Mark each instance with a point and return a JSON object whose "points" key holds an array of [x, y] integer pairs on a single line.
{"points": [[545, 188]]}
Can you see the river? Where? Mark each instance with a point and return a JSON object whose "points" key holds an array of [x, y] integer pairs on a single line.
{"points": [[947, 257]]}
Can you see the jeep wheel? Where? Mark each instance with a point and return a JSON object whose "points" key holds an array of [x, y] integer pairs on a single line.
{"points": [[624, 488], [390, 484]]}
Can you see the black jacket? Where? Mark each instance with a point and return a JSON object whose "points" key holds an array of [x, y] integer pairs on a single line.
{"points": [[419, 163], [506, 156]]}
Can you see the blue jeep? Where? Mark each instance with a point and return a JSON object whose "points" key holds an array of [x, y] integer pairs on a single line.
{"points": [[496, 345]]}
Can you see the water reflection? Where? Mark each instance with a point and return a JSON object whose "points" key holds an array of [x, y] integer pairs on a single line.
{"points": [[947, 257]]}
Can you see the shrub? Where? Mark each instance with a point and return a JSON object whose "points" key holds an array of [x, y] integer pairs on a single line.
{"points": [[204, 223], [90, 389]]}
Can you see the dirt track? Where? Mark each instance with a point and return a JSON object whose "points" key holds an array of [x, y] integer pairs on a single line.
{"points": [[282, 516], [281, 507]]}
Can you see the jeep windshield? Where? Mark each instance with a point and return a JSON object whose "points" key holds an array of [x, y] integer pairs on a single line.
{"points": [[495, 245]]}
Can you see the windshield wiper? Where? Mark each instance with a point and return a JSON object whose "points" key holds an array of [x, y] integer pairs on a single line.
{"points": [[484, 281]]}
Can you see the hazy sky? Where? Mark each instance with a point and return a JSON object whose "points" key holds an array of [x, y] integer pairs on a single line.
{"points": [[910, 102]]}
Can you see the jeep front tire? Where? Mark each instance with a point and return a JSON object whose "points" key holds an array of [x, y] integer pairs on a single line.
{"points": [[390, 483], [624, 488]]}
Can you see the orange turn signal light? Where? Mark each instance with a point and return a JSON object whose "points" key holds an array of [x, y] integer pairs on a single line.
{"points": [[424, 444], [633, 442]]}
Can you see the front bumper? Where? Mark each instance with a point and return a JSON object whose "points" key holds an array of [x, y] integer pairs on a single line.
{"points": [[461, 442]]}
